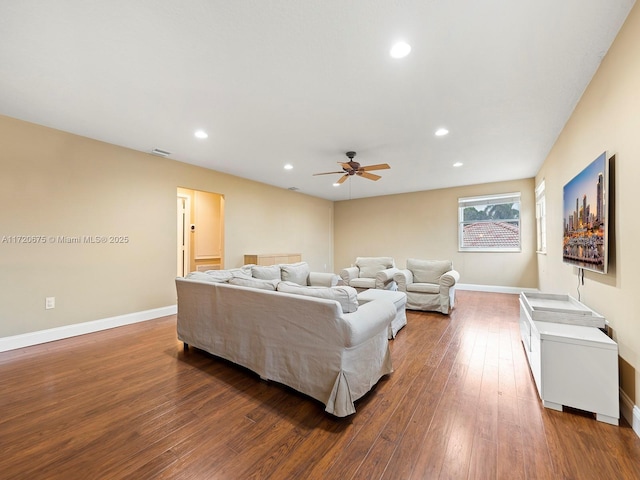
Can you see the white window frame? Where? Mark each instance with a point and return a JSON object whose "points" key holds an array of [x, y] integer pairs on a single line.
{"points": [[495, 199], [541, 219]]}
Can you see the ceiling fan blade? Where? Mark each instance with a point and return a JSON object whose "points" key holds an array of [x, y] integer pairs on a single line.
{"points": [[327, 173], [346, 166], [343, 179], [380, 166], [370, 176]]}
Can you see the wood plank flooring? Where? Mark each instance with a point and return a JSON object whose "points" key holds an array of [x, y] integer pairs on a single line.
{"points": [[130, 403]]}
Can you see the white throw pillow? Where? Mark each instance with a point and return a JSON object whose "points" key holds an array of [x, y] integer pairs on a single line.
{"points": [[296, 273], [255, 283], [345, 296], [266, 273], [369, 266]]}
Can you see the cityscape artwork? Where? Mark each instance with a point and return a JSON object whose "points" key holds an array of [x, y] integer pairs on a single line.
{"points": [[585, 217]]}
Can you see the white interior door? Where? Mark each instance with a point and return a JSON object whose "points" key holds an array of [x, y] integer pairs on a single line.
{"points": [[183, 220]]}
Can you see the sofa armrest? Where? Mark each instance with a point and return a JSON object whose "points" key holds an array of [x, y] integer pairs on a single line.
{"points": [[384, 278], [403, 278], [348, 274], [369, 320], [323, 279], [449, 279]]}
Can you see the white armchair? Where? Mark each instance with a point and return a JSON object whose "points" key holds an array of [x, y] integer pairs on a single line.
{"points": [[430, 285], [371, 272]]}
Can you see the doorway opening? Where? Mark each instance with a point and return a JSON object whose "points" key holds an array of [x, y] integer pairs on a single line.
{"points": [[200, 231]]}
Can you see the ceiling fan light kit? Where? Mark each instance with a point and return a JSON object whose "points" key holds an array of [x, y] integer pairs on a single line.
{"points": [[352, 167]]}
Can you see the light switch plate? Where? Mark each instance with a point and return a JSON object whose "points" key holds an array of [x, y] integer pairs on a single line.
{"points": [[49, 303]]}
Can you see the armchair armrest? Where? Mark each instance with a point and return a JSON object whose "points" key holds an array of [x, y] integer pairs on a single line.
{"points": [[384, 278], [348, 274], [403, 278], [367, 321], [323, 279], [448, 282], [449, 279]]}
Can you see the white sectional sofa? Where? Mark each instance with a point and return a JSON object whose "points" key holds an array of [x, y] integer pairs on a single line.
{"points": [[293, 336]]}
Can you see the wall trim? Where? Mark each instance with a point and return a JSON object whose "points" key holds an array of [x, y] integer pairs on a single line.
{"points": [[67, 331], [630, 412], [494, 288]]}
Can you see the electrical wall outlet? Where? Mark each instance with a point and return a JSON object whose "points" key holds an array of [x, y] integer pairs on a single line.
{"points": [[49, 303]]}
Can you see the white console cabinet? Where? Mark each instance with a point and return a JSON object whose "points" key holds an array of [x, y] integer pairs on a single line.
{"points": [[572, 365]]}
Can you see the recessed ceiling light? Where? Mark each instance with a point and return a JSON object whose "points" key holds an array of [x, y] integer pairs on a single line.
{"points": [[201, 134], [458, 164], [288, 166], [441, 132], [400, 50], [336, 184]]}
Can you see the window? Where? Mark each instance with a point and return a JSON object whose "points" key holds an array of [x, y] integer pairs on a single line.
{"points": [[490, 223], [541, 219]]}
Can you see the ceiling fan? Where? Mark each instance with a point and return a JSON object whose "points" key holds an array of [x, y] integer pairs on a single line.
{"points": [[353, 168]]}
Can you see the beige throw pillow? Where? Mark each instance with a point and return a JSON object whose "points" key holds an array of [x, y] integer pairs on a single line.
{"points": [[255, 283], [220, 276], [345, 296], [266, 273], [296, 273]]}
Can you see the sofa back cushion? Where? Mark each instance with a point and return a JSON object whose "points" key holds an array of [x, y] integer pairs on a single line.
{"points": [[244, 271], [428, 271], [216, 276], [255, 283], [295, 272], [369, 266], [271, 272], [345, 296]]}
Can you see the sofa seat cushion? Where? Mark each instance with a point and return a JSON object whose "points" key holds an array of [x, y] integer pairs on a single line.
{"points": [[295, 272], [428, 271], [423, 288], [345, 296], [369, 266], [399, 299], [363, 282], [271, 272], [255, 283]]}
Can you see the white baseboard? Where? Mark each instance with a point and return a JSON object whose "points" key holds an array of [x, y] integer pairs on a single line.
{"points": [[494, 288], [68, 331], [630, 412]]}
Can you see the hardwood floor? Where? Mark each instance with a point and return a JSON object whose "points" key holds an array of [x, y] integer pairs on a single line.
{"points": [[130, 403]]}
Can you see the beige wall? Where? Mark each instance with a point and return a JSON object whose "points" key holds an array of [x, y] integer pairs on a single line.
{"points": [[425, 225], [607, 118], [57, 184]]}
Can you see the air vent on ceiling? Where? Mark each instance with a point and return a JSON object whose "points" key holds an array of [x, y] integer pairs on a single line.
{"points": [[160, 153], [293, 188]]}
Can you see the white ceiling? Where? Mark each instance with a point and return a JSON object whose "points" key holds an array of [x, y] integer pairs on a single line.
{"points": [[302, 82]]}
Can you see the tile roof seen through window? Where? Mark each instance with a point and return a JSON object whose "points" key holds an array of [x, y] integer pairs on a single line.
{"points": [[491, 235]]}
